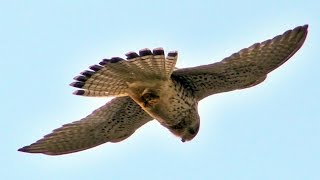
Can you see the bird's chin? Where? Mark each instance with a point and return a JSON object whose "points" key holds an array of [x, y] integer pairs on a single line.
{"points": [[187, 137], [186, 133]]}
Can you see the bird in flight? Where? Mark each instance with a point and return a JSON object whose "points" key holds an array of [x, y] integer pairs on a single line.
{"points": [[148, 86]]}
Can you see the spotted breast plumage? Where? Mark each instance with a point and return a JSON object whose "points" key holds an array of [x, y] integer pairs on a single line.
{"points": [[147, 86]]}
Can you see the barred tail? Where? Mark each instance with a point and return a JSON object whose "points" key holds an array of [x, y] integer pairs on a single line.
{"points": [[112, 76]]}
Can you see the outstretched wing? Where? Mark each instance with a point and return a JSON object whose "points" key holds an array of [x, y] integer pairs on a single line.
{"points": [[113, 122], [243, 69]]}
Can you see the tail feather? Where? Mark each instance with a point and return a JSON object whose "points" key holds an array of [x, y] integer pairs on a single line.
{"points": [[99, 93], [112, 76], [158, 62], [171, 62]]}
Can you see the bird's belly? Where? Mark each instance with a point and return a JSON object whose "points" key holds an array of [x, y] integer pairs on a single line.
{"points": [[165, 101], [170, 110]]}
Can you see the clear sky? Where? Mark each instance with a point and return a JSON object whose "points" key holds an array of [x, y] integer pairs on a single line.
{"points": [[271, 131]]}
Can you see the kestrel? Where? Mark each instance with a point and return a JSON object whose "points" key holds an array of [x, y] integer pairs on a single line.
{"points": [[147, 86]]}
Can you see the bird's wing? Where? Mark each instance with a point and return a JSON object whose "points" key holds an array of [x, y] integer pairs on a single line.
{"points": [[113, 122], [243, 69]]}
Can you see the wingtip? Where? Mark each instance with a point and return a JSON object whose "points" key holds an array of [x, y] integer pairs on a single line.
{"points": [[115, 59], [158, 51], [305, 26], [87, 73], [24, 149], [81, 78], [299, 29], [95, 67], [29, 149], [145, 52], [173, 53], [131, 55], [79, 92], [77, 84]]}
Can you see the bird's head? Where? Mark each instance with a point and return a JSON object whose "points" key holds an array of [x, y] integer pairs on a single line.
{"points": [[185, 130]]}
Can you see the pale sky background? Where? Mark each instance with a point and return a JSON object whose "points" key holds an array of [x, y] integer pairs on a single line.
{"points": [[271, 131]]}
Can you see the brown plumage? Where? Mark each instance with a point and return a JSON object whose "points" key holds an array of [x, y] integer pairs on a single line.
{"points": [[147, 86]]}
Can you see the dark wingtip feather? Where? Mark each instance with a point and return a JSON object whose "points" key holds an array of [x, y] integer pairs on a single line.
{"points": [[116, 59], [77, 84], [304, 27], [173, 53], [95, 67], [158, 51], [145, 52], [296, 30], [87, 73], [79, 92], [103, 63], [32, 149], [81, 78], [131, 55], [23, 149], [29, 149]]}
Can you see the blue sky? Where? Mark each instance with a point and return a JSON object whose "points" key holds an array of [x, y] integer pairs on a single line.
{"points": [[270, 131]]}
